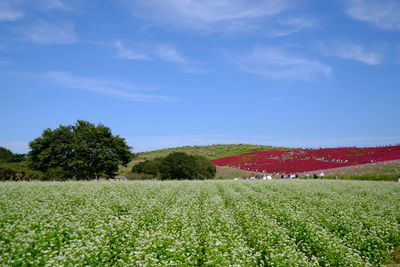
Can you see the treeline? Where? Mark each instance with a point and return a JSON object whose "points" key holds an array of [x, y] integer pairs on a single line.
{"points": [[11, 165], [83, 151], [6, 156], [176, 166]]}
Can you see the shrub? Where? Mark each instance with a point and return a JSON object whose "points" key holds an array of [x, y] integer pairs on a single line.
{"points": [[177, 166]]}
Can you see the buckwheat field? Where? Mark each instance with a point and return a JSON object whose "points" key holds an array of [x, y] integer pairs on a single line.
{"points": [[270, 223]]}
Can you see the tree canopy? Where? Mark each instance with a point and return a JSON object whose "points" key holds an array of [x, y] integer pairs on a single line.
{"points": [[81, 151], [178, 166], [6, 156]]}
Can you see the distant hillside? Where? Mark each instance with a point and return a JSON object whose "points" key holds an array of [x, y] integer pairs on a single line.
{"points": [[308, 160], [388, 170], [210, 152]]}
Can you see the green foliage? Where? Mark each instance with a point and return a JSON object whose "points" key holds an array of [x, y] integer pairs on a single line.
{"points": [[204, 168], [177, 166], [18, 171], [80, 151], [153, 166], [6, 156], [139, 167], [148, 166], [6, 174]]}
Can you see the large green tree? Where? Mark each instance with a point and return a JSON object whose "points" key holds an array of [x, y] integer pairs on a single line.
{"points": [[81, 151]]}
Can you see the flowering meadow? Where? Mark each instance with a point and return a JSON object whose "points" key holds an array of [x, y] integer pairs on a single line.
{"points": [[279, 222], [304, 160]]}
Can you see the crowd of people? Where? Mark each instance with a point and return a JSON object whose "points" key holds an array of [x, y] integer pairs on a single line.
{"points": [[286, 176]]}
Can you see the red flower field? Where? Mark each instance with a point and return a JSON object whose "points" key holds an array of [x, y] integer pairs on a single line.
{"points": [[305, 160]]}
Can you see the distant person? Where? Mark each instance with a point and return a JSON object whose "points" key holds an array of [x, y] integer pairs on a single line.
{"points": [[322, 175], [315, 176], [307, 175], [296, 175]]}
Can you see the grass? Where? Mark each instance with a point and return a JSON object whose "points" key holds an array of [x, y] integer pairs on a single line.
{"points": [[231, 173], [210, 152], [385, 171]]}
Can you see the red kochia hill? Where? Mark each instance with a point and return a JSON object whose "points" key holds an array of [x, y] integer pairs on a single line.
{"points": [[305, 160]]}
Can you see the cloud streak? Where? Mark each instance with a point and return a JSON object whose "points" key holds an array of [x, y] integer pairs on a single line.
{"points": [[169, 53], [44, 32], [52, 4], [277, 64], [149, 52], [115, 89], [9, 13], [384, 14], [13, 10], [214, 16], [289, 25], [127, 53], [353, 52]]}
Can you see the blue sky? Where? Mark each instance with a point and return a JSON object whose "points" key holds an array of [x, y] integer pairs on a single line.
{"points": [[166, 73]]}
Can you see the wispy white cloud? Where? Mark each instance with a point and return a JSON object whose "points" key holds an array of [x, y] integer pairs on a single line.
{"points": [[149, 52], [276, 64], [211, 15], [169, 53], [384, 14], [12, 10], [49, 33], [52, 4], [127, 53], [289, 25], [115, 89], [9, 12], [352, 52]]}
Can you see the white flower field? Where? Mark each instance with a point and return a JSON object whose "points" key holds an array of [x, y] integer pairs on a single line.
{"points": [[269, 223]]}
